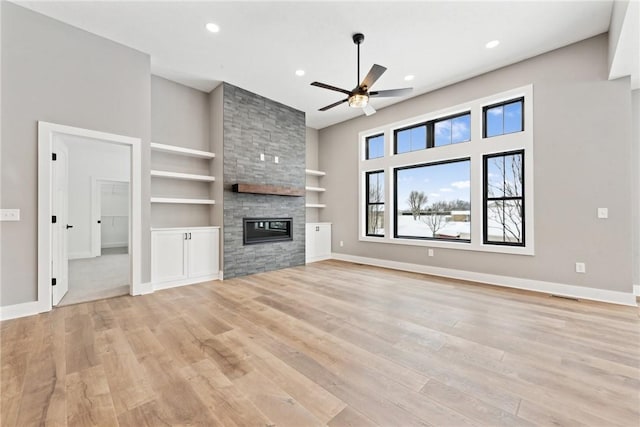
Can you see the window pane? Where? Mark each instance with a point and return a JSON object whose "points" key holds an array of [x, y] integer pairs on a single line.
{"points": [[411, 139], [495, 177], [513, 117], [433, 201], [376, 187], [513, 175], [493, 121], [504, 221], [461, 129], [442, 133], [375, 219], [375, 147]]}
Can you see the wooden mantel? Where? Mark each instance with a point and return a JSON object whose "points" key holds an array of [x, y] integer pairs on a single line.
{"points": [[268, 189]]}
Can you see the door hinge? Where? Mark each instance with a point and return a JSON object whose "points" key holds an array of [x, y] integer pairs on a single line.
{"points": [[54, 219], [53, 281], [54, 157]]}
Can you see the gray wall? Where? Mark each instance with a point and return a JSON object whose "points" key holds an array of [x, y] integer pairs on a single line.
{"points": [[254, 125], [582, 161], [180, 116], [57, 73], [217, 167]]}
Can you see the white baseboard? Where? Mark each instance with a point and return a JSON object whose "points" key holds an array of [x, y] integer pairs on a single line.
{"points": [[80, 255], [573, 291], [185, 282], [144, 289], [636, 290], [21, 310], [318, 258], [114, 245], [220, 275]]}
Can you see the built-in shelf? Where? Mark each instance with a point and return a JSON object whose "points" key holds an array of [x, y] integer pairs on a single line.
{"points": [[315, 205], [182, 151], [186, 176], [314, 172], [268, 189], [183, 201], [319, 189]]}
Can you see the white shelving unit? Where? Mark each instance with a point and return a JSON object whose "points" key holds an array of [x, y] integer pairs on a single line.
{"points": [[182, 201], [313, 188], [181, 151]]}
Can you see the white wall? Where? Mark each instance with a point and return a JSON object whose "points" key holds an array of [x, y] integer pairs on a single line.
{"points": [[89, 159], [114, 214]]}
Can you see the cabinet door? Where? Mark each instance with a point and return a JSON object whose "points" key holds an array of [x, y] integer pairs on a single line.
{"points": [[323, 241], [168, 256], [203, 252]]}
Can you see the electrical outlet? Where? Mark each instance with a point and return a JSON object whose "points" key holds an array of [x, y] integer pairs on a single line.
{"points": [[262, 157], [276, 160], [580, 267], [430, 252], [9, 214], [341, 243], [603, 213]]}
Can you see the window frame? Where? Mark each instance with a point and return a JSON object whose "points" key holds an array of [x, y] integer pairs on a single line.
{"points": [[366, 146], [486, 198], [430, 126], [369, 203], [486, 108], [395, 200]]}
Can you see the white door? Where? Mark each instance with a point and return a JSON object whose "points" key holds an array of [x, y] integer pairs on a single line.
{"points": [[203, 252], [323, 241], [61, 228], [168, 255]]}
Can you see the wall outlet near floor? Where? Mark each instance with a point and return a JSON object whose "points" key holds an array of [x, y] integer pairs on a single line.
{"points": [[603, 213], [341, 243], [9, 214], [430, 252], [580, 267]]}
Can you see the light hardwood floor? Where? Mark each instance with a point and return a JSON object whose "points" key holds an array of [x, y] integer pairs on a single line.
{"points": [[331, 343]]}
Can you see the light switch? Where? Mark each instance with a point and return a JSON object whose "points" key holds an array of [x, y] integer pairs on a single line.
{"points": [[9, 214], [603, 213], [275, 159]]}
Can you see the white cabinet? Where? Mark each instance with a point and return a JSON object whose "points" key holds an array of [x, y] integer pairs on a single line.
{"points": [[318, 241], [181, 256]]}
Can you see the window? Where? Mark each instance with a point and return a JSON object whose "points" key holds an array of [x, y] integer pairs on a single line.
{"points": [[375, 203], [504, 198], [442, 184], [452, 130], [410, 139], [503, 118], [435, 133], [433, 201], [374, 147]]}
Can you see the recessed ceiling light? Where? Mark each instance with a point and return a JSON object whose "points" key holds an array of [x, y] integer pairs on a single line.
{"points": [[492, 44], [214, 28], [409, 77], [299, 73]]}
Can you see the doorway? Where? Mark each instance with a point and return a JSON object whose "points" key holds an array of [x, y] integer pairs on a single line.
{"points": [[70, 214]]}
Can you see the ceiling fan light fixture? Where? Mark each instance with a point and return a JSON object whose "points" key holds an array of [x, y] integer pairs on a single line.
{"points": [[358, 100]]}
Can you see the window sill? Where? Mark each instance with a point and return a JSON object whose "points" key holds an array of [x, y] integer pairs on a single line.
{"points": [[464, 246]]}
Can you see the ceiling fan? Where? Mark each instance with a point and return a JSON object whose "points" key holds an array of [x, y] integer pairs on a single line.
{"points": [[359, 96]]}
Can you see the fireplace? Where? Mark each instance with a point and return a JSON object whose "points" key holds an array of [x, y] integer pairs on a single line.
{"points": [[266, 230]]}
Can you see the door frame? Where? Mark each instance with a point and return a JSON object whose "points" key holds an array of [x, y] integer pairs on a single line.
{"points": [[96, 205], [46, 133]]}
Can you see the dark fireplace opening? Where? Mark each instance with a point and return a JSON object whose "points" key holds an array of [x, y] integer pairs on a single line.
{"points": [[265, 230]]}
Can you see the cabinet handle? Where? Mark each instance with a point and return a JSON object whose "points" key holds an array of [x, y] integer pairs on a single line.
{"points": [[189, 236], [185, 236], [317, 228]]}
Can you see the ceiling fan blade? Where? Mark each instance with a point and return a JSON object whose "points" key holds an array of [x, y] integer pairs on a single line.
{"points": [[374, 74], [335, 104], [368, 110], [326, 86], [391, 92]]}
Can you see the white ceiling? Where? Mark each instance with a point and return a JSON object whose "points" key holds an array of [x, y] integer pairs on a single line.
{"points": [[261, 44]]}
